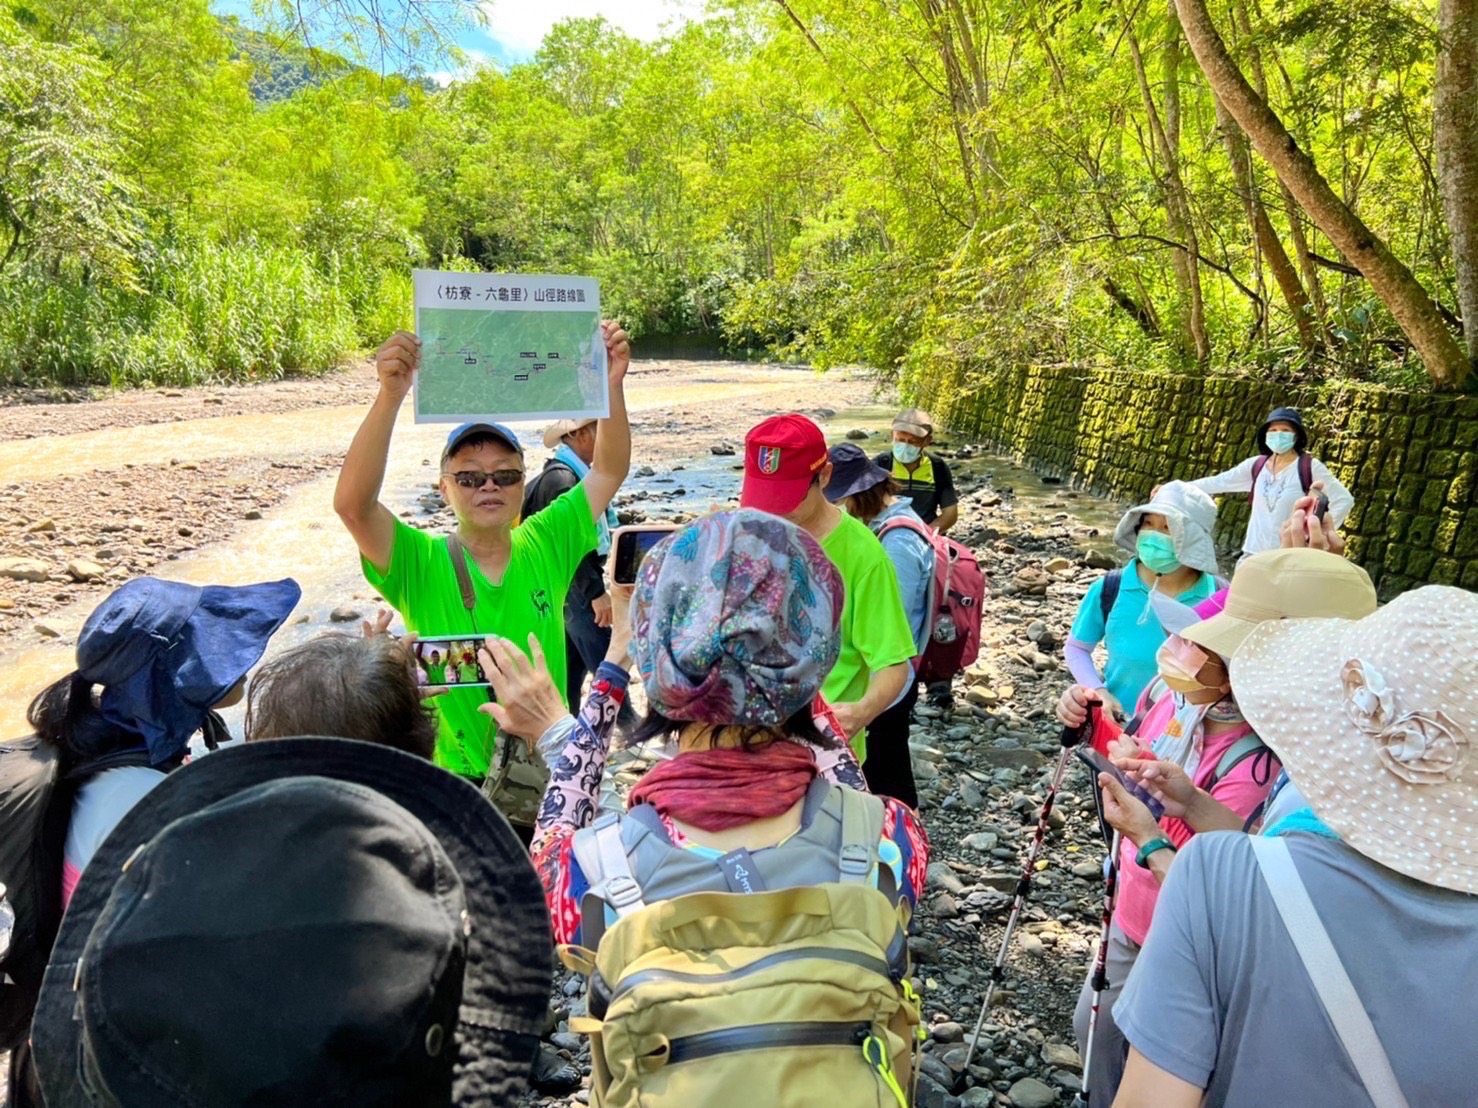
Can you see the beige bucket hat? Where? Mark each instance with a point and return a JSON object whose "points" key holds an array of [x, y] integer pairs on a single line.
{"points": [[914, 421], [562, 427], [1375, 721], [1285, 584]]}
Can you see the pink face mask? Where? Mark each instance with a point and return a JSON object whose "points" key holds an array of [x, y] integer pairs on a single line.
{"points": [[1179, 662]]}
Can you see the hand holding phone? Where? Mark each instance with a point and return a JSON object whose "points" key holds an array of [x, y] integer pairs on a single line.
{"points": [[629, 545], [1099, 764]]}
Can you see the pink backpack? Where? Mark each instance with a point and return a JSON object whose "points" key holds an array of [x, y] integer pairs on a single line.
{"points": [[956, 603]]}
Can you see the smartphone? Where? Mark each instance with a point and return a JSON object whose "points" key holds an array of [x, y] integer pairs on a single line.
{"points": [[451, 660], [1321, 505], [629, 545], [1099, 764]]}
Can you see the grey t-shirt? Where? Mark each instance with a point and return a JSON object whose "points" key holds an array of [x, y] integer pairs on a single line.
{"points": [[1220, 999]]}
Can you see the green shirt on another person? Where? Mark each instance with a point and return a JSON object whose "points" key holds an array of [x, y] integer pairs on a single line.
{"points": [[422, 586], [875, 630]]}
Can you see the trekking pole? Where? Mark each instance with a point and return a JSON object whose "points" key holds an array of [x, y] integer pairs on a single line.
{"points": [[1099, 981], [1071, 737]]}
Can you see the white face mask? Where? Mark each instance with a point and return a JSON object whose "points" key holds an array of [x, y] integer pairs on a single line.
{"points": [[906, 453]]}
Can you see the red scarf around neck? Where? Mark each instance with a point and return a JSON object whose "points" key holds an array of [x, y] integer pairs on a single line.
{"points": [[714, 790]]}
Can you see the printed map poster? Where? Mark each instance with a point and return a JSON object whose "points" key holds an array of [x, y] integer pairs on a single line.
{"points": [[509, 347]]}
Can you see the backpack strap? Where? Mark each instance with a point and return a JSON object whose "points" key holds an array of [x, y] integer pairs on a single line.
{"points": [[1109, 595], [1326, 972], [1233, 756], [1306, 471], [600, 851], [1259, 464], [458, 554]]}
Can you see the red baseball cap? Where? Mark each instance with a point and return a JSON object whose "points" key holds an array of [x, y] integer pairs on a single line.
{"points": [[781, 457]]}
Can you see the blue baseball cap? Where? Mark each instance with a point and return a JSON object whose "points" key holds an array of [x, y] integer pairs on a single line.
{"points": [[167, 652], [468, 430]]}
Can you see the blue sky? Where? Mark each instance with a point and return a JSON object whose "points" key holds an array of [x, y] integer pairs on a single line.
{"points": [[514, 28]]}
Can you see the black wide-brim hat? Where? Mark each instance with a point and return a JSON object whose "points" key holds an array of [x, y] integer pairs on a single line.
{"points": [[505, 994], [1283, 415]]}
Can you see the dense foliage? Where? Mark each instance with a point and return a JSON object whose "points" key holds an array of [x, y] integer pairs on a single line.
{"points": [[937, 188]]}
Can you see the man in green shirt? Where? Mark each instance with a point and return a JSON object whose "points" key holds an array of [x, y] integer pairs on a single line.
{"points": [[519, 574], [436, 670], [785, 468]]}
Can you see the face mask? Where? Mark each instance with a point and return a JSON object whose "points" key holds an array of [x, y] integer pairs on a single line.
{"points": [[906, 453], [1280, 442], [1179, 662], [1157, 551]]}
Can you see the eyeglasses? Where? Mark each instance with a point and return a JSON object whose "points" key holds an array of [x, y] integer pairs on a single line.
{"points": [[476, 478]]}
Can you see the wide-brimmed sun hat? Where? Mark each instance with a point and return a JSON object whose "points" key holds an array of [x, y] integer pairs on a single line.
{"points": [[852, 472], [562, 427], [299, 921], [167, 652], [1376, 726], [1191, 515], [1297, 583], [736, 620]]}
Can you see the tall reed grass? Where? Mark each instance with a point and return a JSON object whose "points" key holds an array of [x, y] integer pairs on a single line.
{"points": [[204, 312]]}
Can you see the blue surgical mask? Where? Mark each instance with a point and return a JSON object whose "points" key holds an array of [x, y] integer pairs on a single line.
{"points": [[906, 453], [1281, 442]]}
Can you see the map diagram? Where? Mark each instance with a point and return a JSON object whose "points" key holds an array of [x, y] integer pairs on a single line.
{"points": [[531, 359]]}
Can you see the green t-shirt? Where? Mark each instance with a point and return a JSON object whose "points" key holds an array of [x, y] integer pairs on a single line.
{"points": [[436, 675], [422, 586], [875, 630]]}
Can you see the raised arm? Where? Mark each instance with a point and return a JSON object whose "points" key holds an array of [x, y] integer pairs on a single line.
{"points": [[357, 495], [1236, 479], [613, 435]]}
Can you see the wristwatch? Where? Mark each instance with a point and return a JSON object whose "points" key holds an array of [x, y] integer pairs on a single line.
{"points": [[1159, 842]]}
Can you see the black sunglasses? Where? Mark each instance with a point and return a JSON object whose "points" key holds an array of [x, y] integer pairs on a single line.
{"points": [[476, 478]]}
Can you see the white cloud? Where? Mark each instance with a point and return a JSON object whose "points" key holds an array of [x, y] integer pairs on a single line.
{"points": [[520, 25]]}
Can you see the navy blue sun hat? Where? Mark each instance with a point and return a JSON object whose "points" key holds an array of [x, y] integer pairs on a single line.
{"points": [[1283, 415], [468, 430], [852, 472], [166, 652]]}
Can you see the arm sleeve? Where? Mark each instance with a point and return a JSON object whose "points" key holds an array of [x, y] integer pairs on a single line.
{"points": [[1236, 479], [1079, 657], [1169, 1010], [411, 554], [573, 791], [1340, 498], [565, 530], [944, 485]]}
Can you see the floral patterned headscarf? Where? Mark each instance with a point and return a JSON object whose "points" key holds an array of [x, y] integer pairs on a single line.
{"points": [[735, 620]]}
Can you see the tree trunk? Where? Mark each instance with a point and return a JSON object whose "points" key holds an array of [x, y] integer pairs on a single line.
{"points": [[1403, 295], [1177, 205], [1455, 138], [1263, 234]]}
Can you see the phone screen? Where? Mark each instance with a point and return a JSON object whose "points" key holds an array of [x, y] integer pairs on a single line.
{"points": [[632, 545], [1099, 764], [451, 660]]}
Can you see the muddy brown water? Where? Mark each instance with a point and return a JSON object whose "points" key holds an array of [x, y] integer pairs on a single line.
{"points": [[679, 411]]}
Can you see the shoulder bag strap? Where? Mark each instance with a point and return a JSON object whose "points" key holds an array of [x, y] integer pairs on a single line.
{"points": [[1306, 471], [458, 554], [1260, 464], [1109, 594], [862, 827], [1326, 972], [601, 854], [1233, 756]]}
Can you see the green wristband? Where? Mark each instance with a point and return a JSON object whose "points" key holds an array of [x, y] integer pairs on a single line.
{"points": [[1159, 842]]}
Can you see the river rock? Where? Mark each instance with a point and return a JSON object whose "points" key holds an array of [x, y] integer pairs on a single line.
{"points": [[978, 1098], [41, 526], [6, 604], [947, 1032], [1087, 869], [856, 434], [24, 569], [722, 450], [940, 876], [344, 614], [997, 758], [983, 841], [645, 471], [1097, 559], [80, 569], [253, 513], [1062, 1056], [1031, 1093], [47, 630]]}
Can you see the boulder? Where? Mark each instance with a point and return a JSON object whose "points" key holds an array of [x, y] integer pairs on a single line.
{"points": [[1031, 1093], [24, 569], [80, 569]]}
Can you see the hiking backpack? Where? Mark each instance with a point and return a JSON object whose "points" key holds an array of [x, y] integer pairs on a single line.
{"points": [[956, 601], [774, 977], [1305, 473], [35, 810]]}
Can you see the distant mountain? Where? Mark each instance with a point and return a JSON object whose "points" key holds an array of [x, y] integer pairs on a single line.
{"points": [[282, 67]]}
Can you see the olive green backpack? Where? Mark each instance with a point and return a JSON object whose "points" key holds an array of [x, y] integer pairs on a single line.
{"points": [[797, 995]]}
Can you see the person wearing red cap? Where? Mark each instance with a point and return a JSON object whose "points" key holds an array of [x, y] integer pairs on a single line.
{"points": [[785, 468]]}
